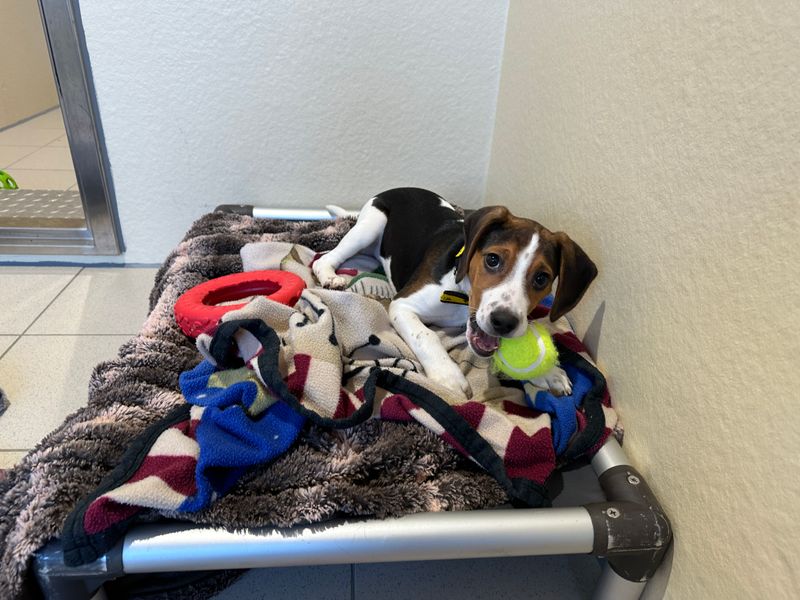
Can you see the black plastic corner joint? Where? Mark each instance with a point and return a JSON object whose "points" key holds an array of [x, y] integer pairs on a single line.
{"points": [[57, 581], [236, 209], [630, 529]]}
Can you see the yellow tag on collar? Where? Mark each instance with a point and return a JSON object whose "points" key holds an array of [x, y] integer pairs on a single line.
{"points": [[460, 252], [454, 297]]}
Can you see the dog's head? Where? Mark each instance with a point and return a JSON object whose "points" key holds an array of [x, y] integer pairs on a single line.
{"points": [[512, 263]]}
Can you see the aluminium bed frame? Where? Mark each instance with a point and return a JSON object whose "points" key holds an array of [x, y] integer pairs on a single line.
{"points": [[629, 530]]}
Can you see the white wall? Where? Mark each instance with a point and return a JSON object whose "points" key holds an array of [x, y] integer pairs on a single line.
{"points": [[287, 103], [666, 138]]}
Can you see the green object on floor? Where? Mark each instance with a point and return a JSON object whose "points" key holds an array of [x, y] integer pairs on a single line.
{"points": [[7, 181]]}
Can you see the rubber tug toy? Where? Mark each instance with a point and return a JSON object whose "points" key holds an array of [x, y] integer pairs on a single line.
{"points": [[528, 356], [200, 309]]}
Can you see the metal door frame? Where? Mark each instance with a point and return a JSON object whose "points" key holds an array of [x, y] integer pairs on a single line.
{"points": [[66, 45]]}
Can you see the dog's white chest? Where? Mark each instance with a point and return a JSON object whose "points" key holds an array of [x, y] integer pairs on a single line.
{"points": [[427, 303]]}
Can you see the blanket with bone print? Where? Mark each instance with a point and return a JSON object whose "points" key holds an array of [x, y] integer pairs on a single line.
{"points": [[335, 360]]}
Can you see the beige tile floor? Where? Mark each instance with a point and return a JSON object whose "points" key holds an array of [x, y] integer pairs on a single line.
{"points": [[35, 153], [58, 322]]}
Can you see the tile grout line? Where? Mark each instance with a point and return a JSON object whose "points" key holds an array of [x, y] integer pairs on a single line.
{"points": [[35, 150], [46, 169], [7, 350], [45, 145], [49, 304], [19, 337], [32, 335], [29, 119]]}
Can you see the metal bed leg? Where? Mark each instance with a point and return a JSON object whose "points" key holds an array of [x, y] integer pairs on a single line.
{"points": [[615, 587], [59, 582], [632, 531]]}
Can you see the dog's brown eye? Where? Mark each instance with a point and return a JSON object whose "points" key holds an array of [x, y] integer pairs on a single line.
{"points": [[492, 261], [540, 280]]}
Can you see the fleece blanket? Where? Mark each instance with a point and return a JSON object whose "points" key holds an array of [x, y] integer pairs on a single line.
{"points": [[335, 359]]}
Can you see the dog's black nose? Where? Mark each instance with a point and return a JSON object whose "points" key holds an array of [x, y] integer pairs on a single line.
{"points": [[503, 321]]}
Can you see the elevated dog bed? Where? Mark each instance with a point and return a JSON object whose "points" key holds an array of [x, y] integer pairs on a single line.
{"points": [[427, 454]]}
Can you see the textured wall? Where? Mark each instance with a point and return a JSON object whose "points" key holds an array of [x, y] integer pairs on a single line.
{"points": [[666, 138], [26, 77], [289, 103]]}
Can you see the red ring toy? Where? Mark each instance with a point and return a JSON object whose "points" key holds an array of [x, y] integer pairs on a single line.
{"points": [[198, 310]]}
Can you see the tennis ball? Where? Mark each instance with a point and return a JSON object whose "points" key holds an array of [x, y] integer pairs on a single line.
{"points": [[528, 356]]}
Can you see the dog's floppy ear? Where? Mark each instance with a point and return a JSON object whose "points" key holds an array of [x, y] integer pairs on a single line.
{"points": [[476, 225], [574, 276]]}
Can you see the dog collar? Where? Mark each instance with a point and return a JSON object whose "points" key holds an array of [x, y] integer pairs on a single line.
{"points": [[454, 297]]}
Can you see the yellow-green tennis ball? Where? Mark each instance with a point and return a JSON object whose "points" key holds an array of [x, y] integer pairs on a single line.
{"points": [[528, 356]]}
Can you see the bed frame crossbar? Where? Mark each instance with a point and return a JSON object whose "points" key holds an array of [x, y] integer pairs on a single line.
{"points": [[629, 530]]}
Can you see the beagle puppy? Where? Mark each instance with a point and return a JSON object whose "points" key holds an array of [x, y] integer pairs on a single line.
{"points": [[504, 264]]}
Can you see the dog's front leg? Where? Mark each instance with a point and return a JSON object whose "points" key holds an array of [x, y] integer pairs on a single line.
{"points": [[426, 345], [365, 233]]}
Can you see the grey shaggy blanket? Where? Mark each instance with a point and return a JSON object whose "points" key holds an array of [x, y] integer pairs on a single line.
{"points": [[375, 469]]}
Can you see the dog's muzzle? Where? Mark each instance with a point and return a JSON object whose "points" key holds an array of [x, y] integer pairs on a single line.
{"points": [[481, 342]]}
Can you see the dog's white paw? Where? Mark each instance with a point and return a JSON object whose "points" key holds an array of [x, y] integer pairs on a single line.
{"points": [[450, 376], [556, 381], [337, 282], [327, 277]]}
